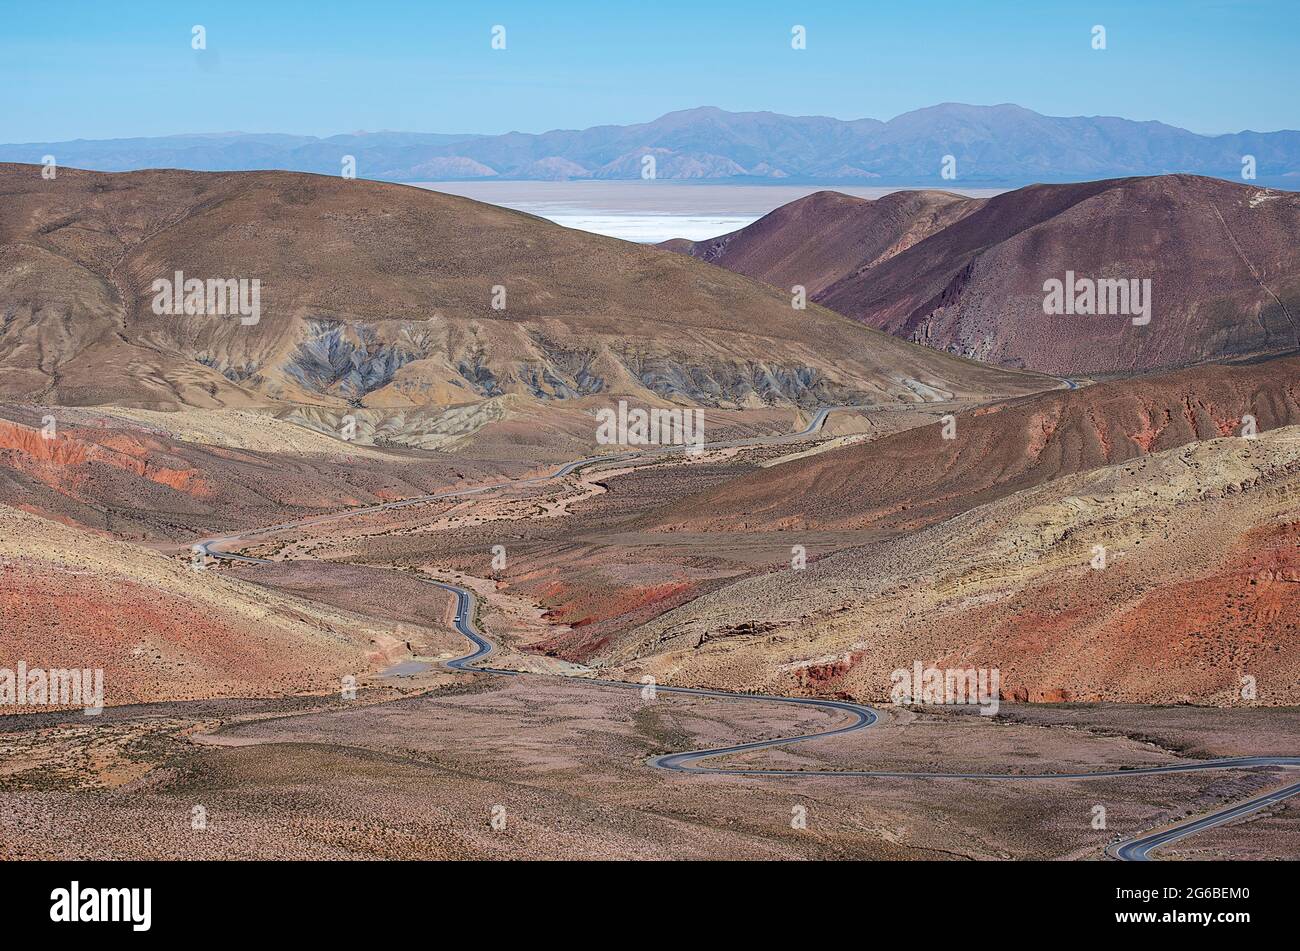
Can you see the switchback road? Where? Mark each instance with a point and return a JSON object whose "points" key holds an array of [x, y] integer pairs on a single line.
{"points": [[859, 717]]}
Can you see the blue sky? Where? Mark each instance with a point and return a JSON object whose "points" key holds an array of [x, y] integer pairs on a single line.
{"points": [[112, 68]]}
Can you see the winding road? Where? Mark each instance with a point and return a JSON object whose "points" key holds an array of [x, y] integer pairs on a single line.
{"points": [[206, 547], [860, 717]]}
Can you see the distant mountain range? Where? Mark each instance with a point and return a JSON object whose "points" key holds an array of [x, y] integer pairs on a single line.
{"points": [[994, 145]]}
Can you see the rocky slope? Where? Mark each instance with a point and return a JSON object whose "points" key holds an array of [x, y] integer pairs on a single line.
{"points": [[395, 297], [1222, 261], [917, 477], [133, 478], [1199, 589], [162, 631]]}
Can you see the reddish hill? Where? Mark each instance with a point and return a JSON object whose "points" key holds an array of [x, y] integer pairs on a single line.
{"points": [[161, 631], [125, 479], [1197, 588], [916, 478], [1223, 260], [827, 236]]}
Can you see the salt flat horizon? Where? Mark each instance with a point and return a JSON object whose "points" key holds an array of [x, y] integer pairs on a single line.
{"points": [[653, 211]]}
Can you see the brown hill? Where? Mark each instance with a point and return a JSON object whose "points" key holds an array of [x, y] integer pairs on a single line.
{"points": [[382, 295], [111, 473], [916, 478], [161, 631], [1223, 260], [827, 236], [1197, 590]]}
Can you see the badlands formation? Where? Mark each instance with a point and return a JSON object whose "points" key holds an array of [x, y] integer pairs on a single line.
{"points": [[1114, 543]]}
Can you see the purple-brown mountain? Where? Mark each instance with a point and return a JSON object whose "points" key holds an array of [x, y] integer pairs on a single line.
{"points": [[1003, 144], [967, 275]]}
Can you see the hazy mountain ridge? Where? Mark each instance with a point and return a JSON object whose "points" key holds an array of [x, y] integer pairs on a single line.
{"points": [[994, 144]]}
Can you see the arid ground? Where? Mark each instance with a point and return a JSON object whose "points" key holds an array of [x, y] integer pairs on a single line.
{"points": [[423, 760], [244, 526]]}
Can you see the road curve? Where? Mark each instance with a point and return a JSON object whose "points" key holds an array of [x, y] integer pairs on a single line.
{"points": [[205, 547], [1137, 849], [860, 717]]}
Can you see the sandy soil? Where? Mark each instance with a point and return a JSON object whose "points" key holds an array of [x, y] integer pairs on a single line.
{"points": [[564, 764]]}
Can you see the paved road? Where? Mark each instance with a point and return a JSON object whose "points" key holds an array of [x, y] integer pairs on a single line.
{"points": [[207, 546], [1139, 849], [859, 716], [862, 717]]}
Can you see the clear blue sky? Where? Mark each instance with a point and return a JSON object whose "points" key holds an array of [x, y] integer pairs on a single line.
{"points": [[111, 68]]}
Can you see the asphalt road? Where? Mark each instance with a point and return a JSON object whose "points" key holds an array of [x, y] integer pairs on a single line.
{"points": [[206, 546], [860, 717], [1139, 849]]}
